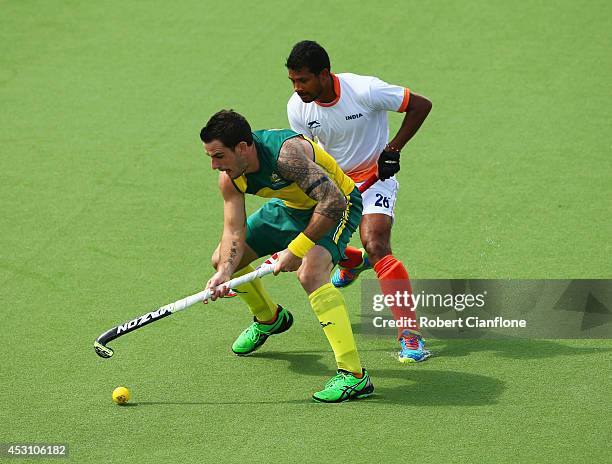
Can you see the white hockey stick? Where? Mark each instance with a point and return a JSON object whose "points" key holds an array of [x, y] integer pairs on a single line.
{"points": [[106, 352]]}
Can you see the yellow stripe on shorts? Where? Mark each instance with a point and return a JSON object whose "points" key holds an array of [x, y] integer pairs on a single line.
{"points": [[344, 220]]}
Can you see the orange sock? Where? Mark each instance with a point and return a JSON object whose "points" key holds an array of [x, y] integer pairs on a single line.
{"points": [[393, 278], [353, 258]]}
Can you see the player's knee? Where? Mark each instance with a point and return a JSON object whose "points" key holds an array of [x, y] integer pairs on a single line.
{"points": [[303, 276], [310, 279], [377, 249]]}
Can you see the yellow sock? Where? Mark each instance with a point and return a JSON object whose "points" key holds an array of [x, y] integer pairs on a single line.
{"points": [[328, 304], [255, 296]]}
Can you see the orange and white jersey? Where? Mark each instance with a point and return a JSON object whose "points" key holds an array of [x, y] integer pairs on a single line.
{"points": [[353, 128]]}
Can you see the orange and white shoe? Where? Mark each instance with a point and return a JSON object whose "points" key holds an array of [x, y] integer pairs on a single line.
{"points": [[412, 348]]}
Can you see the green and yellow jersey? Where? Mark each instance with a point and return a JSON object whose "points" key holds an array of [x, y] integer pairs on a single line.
{"points": [[268, 183]]}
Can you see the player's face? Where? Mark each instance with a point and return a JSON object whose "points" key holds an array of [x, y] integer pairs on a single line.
{"points": [[306, 84], [226, 160]]}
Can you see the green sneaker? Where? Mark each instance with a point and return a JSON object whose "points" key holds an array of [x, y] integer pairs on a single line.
{"points": [[257, 333], [344, 386]]}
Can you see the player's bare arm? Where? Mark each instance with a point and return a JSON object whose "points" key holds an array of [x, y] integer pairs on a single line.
{"points": [[233, 239], [416, 112], [295, 162]]}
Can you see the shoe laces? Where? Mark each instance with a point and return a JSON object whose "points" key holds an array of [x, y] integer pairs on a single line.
{"points": [[336, 379], [411, 342], [254, 331]]}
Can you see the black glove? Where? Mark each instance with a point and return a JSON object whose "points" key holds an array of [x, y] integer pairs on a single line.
{"points": [[388, 164]]}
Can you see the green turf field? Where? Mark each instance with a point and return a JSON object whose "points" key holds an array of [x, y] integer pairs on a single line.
{"points": [[110, 209]]}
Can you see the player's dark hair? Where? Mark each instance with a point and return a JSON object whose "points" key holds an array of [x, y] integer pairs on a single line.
{"points": [[308, 54], [229, 127]]}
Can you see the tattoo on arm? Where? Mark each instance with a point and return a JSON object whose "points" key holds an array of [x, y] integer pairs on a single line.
{"points": [[232, 253], [315, 184], [295, 163]]}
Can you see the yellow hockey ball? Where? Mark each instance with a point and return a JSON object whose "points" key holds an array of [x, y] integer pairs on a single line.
{"points": [[121, 395]]}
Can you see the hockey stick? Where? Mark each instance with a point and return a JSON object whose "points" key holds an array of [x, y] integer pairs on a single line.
{"points": [[106, 351], [368, 183]]}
